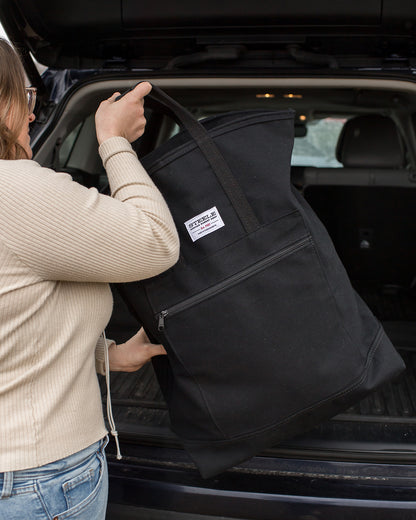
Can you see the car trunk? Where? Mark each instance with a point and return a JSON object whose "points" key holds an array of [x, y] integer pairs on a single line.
{"points": [[322, 60], [381, 427]]}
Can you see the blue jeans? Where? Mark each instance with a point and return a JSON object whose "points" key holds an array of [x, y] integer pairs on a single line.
{"points": [[72, 488]]}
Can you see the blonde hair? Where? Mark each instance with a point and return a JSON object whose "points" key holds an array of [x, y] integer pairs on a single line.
{"points": [[13, 102]]}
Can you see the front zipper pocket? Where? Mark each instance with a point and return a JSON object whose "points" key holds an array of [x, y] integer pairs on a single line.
{"points": [[230, 282], [269, 329]]}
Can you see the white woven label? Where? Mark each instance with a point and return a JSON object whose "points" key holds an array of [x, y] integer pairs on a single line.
{"points": [[204, 223]]}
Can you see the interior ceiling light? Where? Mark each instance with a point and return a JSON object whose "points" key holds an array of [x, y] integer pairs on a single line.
{"points": [[293, 96], [266, 95], [302, 118]]}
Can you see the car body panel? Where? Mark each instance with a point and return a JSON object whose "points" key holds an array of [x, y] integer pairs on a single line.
{"points": [[266, 488], [131, 34]]}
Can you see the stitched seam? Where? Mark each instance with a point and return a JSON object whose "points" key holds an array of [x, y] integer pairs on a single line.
{"points": [[190, 145], [19, 259], [328, 286], [39, 495], [23, 490], [218, 252], [324, 275], [87, 500], [341, 393], [31, 385], [70, 468], [67, 487]]}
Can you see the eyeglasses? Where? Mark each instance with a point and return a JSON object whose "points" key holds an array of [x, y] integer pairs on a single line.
{"points": [[31, 98]]}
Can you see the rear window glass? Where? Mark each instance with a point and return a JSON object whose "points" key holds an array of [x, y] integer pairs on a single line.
{"points": [[318, 146]]}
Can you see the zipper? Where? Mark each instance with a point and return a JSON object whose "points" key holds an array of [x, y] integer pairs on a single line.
{"points": [[230, 282]]}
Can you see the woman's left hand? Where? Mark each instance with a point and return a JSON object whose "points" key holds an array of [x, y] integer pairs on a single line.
{"points": [[132, 355]]}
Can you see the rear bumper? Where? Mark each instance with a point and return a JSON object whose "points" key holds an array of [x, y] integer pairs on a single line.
{"points": [[263, 489]]}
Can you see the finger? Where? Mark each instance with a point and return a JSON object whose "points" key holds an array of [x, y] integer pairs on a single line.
{"points": [[156, 350], [145, 337], [141, 90], [113, 97]]}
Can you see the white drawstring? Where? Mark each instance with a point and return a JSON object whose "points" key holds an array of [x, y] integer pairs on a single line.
{"points": [[110, 417]]}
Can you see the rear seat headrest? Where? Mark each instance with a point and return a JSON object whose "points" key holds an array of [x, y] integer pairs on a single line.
{"points": [[370, 141]]}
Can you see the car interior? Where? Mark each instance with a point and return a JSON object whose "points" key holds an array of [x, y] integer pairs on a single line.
{"points": [[354, 161]]}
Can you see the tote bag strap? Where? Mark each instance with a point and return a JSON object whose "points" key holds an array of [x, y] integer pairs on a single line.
{"points": [[211, 152]]}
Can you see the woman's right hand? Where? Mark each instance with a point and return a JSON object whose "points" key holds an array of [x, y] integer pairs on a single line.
{"points": [[123, 118], [132, 355]]}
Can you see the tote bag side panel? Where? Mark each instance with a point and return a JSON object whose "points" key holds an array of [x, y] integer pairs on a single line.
{"points": [[358, 321]]}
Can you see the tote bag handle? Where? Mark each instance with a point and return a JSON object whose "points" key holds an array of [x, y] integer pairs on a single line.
{"points": [[209, 149]]}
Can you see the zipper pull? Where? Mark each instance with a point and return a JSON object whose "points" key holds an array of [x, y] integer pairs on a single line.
{"points": [[161, 320]]}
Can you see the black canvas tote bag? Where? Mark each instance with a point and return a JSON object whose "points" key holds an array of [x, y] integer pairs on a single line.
{"points": [[264, 333]]}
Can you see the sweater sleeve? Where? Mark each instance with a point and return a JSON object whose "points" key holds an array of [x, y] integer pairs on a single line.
{"points": [[64, 231]]}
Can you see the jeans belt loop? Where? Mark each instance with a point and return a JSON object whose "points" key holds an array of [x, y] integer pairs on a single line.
{"points": [[7, 485]]}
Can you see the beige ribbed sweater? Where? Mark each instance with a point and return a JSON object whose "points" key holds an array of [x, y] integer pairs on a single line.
{"points": [[60, 244]]}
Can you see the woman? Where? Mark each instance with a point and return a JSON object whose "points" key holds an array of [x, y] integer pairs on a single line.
{"points": [[60, 245]]}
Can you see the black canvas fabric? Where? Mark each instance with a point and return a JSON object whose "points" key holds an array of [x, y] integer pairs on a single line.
{"points": [[264, 333]]}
